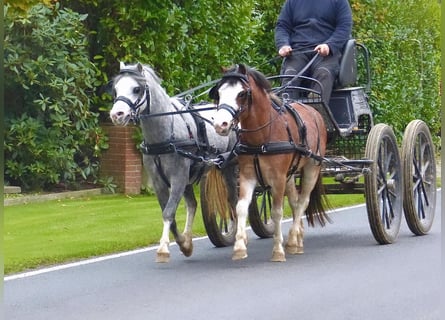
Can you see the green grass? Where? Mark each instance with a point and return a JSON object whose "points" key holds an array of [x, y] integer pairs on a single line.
{"points": [[58, 231], [52, 232]]}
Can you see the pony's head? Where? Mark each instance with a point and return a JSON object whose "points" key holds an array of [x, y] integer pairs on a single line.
{"points": [[130, 94], [233, 95]]}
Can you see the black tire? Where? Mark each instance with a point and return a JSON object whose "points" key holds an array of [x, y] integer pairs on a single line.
{"points": [[259, 213], [221, 231], [419, 174], [384, 184]]}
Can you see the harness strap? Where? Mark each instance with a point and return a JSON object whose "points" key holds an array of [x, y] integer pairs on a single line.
{"points": [[268, 148], [198, 174], [190, 149], [161, 172], [201, 132], [172, 146], [256, 163], [318, 139], [166, 147], [294, 168], [300, 123], [276, 148], [302, 127], [278, 107]]}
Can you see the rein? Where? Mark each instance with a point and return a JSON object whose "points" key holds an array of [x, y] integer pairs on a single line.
{"points": [[268, 148], [269, 123], [192, 90], [194, 112], [151, 115], [183, 146], [298, 75]]}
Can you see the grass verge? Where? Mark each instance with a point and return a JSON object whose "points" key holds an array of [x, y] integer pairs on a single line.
{"points": [[59, 231]]}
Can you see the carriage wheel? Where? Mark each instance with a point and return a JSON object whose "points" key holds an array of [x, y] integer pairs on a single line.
{"points": [[383, 185], [419, 174], [259, 213], [221, 231]]}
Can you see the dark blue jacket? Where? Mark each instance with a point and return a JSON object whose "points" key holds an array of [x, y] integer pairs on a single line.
{"points": [[303, 24]]}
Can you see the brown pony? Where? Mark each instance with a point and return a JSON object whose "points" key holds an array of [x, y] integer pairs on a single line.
{"points": [[276, 141]]}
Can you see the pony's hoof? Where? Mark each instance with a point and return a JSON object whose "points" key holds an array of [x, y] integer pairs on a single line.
{"points": [[162, 257], [187, 251], [239, 255], [278, 257], [294, 250]]}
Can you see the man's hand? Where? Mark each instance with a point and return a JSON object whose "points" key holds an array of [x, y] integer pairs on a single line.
{"points": [[285, 51], [322, 49]]}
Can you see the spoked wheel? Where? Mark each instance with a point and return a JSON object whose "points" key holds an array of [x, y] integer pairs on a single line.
{"points": [[384, 184], [221, 231], [259, 213], [419, 174]]}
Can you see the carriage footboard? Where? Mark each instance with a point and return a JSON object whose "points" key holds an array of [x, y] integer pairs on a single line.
{"points": [[344, 176]]}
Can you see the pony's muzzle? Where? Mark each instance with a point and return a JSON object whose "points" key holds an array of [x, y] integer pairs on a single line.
{"points": [[224, 119], [119, 116], [222, 128]]}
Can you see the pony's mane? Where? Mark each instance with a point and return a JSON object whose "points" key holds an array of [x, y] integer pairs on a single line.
{"points": [[152, 73], [148, 74], [259, 78], [262, 82]]}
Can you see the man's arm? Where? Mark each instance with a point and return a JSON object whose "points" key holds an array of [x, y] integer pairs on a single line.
{"points": [[343, 28], [283, 28]]}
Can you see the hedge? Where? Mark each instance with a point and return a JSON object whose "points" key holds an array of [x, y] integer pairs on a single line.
{"points": [[55, 94], [52, 135]]}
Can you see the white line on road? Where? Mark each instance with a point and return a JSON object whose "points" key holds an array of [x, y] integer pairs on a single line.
{"points": [[110, 257]]}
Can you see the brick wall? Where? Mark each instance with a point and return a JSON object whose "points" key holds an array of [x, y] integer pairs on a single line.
{"points": [[122, 160]]}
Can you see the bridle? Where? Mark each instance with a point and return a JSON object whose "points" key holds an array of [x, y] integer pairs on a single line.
{"points": [[144, 96], [213, 94]]}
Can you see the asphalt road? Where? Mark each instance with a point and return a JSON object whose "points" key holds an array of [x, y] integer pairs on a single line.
{"points": [[344, 274]]}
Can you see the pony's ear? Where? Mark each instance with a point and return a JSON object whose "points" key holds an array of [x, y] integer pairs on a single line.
{"points": [[121, 65], [242, 69], [224, 69], [139, 67]]}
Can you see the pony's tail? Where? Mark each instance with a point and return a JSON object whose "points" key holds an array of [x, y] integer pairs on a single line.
{"points": [[216, 192], [318, 205]]}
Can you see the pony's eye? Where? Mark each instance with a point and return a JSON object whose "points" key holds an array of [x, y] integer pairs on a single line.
{"points": [[242, 94], [137, 90]]}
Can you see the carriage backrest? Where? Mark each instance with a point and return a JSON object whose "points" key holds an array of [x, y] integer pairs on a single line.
{"points": [[347, 75]]}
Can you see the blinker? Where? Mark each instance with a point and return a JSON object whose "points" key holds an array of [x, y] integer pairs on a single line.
{"points": [[213, 93]]}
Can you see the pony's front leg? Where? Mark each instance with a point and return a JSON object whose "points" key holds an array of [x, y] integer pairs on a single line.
{"points": [[240, 246], [168, 215], [278, 254], [163, 253], [242, 209]]}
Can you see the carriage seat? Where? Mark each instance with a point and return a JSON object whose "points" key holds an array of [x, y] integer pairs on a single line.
{"points": [[349, 102], [347, 75]]}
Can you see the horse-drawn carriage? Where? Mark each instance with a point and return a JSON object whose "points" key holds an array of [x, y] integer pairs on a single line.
{"points": [[364, 158], [342, 151]]}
